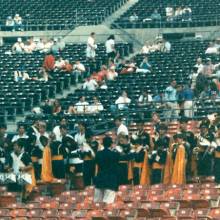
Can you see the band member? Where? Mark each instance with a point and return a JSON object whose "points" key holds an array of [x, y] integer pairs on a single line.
{"points": [[87, 154], [106, 181], [140, 165], [46, 171], [124, 167], [36, 156], [4, 160], [190, 140], [21, 163], [144, 137], [158, 158], [179, 157], [202, 151], [58, 153]]}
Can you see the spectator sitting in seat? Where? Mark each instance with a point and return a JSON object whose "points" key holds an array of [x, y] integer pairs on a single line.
{"points": [[187, 14], [133, 18], [61, 44], [55, 49], [96, 106], [111, 74], [30, 45], [145, 99], [10, 24], [166, 46], [145, 49], [199, 65], [48, 45], [129, 67], [178, 13], [90, 84], [212, 49], [80, 107], [78, 70], [49, 62], [60, 63], [155, 16], [21, 75], [67, 68], [43, 75], [18, 47], [100, 76], [145, 66], [123, 101], [209, 68], [40, 45], [169, 13], [18, 23], [56, 109]]}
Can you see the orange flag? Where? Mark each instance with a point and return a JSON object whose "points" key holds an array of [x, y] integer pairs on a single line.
{"points": [[179, 173], [145, 173], [46, 171], [167, 169]]}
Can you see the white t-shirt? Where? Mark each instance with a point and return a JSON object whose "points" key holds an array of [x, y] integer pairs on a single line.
{"points": [[80, 67], [81, 106], [95, 108], [109, 44], [91, 43], [122, 102], [122, 129], [90, 85], [57, 133], [212, 50], [16, 137]]}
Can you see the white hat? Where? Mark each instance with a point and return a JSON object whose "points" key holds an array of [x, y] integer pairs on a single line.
{"points": [[17, 15], [19, 39]]}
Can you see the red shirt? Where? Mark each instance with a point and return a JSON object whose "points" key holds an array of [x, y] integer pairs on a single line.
{"points": [[49, 62]]}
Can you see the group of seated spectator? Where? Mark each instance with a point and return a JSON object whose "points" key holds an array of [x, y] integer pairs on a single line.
{"points": [[40, 45], [14, 24], [159, 45], [181, 13]]}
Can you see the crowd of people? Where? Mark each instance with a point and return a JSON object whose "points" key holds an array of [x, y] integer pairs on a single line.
{"points": [[54, 45], [36, 154], [14, 24]]}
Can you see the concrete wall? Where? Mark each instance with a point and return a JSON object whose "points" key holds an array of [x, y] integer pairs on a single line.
{"points": [[80, 34]]}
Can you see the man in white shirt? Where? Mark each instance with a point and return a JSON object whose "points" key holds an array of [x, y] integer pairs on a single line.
{"points": [[167, 46], [40, 46], [96, 106], [121, 128], [91, 47], [78, 70], [56, 130], [123, 101], [212, 49], [199, 65], [110, 47], [18, 47], [21, 134], [169, 13], [60, 63], [90, 84], [80, 107]]}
